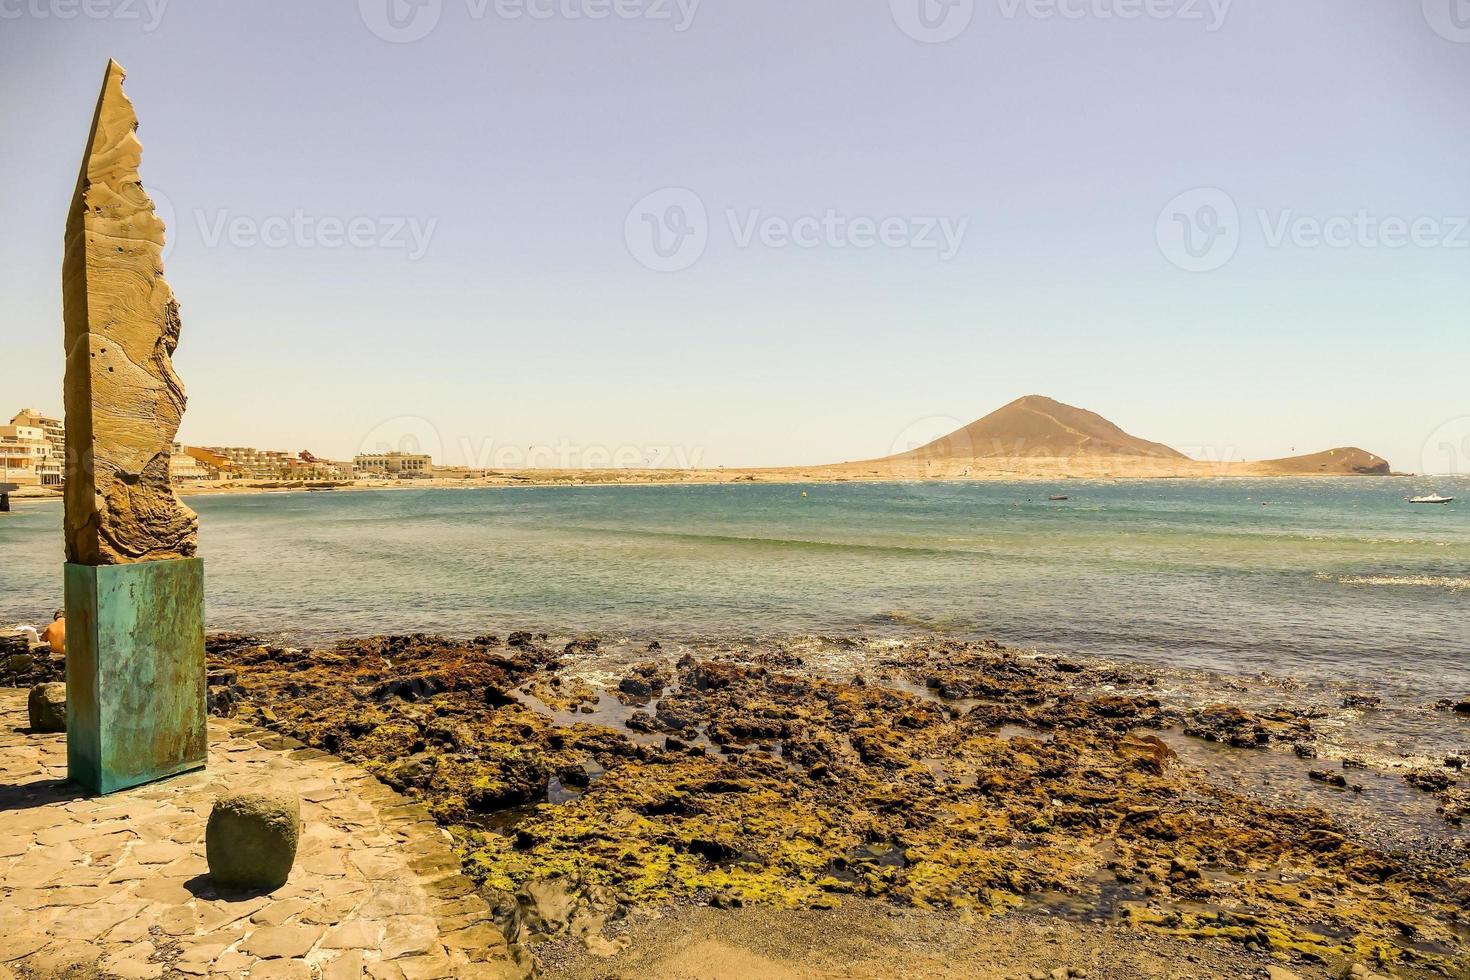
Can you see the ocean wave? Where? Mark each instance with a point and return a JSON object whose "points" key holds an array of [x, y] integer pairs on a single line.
{"points": [[1451, 583]]}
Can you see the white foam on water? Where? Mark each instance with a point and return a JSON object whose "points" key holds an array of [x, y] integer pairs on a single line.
{"points": [[1451, 583]]}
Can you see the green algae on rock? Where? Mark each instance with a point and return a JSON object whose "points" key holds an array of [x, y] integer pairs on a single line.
{"points": [[947, 775]]}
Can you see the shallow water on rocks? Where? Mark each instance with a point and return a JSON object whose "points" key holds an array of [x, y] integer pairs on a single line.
{"points": [[1377, 807], [1380, 743]]}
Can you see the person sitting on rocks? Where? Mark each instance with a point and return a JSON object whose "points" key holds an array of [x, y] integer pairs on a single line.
{"points": [[55, 634]]}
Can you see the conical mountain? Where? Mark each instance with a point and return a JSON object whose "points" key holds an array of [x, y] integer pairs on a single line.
{"points": [[1037, 426]]}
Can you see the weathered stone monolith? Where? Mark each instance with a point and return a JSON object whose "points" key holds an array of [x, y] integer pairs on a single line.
{"points": [[134, 590], [123, 400]]}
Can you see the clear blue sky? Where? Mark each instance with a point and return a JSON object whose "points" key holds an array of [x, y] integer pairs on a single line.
{"points": [[519, 146]]}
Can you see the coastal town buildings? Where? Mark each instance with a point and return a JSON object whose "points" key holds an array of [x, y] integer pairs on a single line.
{"points": [[184, 468], [23, 451], [392, 466], [55, 429], [246, 463], [318, 469], [32, 450], [216, 466], [33, 453]]}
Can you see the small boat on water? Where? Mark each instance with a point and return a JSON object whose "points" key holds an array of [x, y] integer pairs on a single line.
{"points": [[1433, 498], [1058, 498]]}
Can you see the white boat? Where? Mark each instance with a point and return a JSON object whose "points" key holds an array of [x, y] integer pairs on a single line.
{"points": [[1433, 498]]}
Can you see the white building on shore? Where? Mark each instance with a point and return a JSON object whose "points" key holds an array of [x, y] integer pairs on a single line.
{"points": [[392, 466], [183, 467], [32, 450]]}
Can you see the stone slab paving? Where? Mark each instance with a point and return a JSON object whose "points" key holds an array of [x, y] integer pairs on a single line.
{"points": [[119, 887]]}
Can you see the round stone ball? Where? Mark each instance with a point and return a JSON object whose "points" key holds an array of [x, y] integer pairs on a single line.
{"points": [[47, 706], [251, 839]]}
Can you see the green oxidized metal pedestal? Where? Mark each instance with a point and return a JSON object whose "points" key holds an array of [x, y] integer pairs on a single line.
{"points": [[135, 676]]}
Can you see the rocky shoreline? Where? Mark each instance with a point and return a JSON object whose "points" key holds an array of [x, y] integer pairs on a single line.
{"points": [[585, 783]]}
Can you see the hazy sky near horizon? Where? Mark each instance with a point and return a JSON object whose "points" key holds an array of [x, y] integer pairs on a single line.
{"points": [[737, 232]]}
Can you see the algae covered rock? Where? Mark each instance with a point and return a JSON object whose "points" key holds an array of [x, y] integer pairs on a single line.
{"points": [[47, 708], [1227, 724], [251, 839], [754, 781], [1429, 780]]}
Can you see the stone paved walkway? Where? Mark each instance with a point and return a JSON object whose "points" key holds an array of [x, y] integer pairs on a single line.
{"points": [[119, 886]]}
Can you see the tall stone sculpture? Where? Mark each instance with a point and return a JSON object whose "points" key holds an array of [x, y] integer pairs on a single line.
{"points": [[134, 589]]}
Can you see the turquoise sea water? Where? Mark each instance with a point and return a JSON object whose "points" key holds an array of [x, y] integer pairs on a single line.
{"points": [[1339, 579]]}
